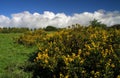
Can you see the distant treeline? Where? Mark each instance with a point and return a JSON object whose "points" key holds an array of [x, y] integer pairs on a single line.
{"points": [[13, 30], [22, 30], [93, 23]]}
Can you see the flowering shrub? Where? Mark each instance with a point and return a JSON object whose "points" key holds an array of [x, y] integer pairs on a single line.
{"points": [[83, 52], [31, 38]]}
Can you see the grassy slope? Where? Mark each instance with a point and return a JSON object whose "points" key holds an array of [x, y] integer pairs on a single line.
{"points": [[12, 54]]}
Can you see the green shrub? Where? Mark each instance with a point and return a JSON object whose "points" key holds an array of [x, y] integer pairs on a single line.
{"points": [[50, 28]]}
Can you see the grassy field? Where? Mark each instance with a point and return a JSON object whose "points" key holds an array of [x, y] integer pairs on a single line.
{"points": [[12, 55]]}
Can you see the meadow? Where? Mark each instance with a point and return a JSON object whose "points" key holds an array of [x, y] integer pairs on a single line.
{"points": [[12, 56]]}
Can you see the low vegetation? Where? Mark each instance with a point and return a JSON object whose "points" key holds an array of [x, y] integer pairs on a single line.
{"points": [[74, 52]]}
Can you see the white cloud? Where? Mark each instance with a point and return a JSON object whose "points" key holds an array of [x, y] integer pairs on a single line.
{"points": [[4, 21], [37, 20]]}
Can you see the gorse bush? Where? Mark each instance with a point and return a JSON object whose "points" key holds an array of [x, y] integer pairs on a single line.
{"points": [[30, 38], [82, 52]]}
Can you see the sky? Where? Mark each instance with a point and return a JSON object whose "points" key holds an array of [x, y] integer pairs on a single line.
{"points": [[59, 13]]}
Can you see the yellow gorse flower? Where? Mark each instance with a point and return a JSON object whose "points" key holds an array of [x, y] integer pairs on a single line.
{"points": [[78, 50]]}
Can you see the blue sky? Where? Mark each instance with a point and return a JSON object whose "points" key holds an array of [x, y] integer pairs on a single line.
{"points": [[69, 7], [59, 13]]}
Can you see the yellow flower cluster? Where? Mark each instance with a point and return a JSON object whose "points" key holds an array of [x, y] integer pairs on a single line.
{"points": [[43, 57], [85, 52], [68, 59], [31, 38]]}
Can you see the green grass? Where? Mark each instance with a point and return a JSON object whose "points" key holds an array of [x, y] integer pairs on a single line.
{"points": [[12, 55]]}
